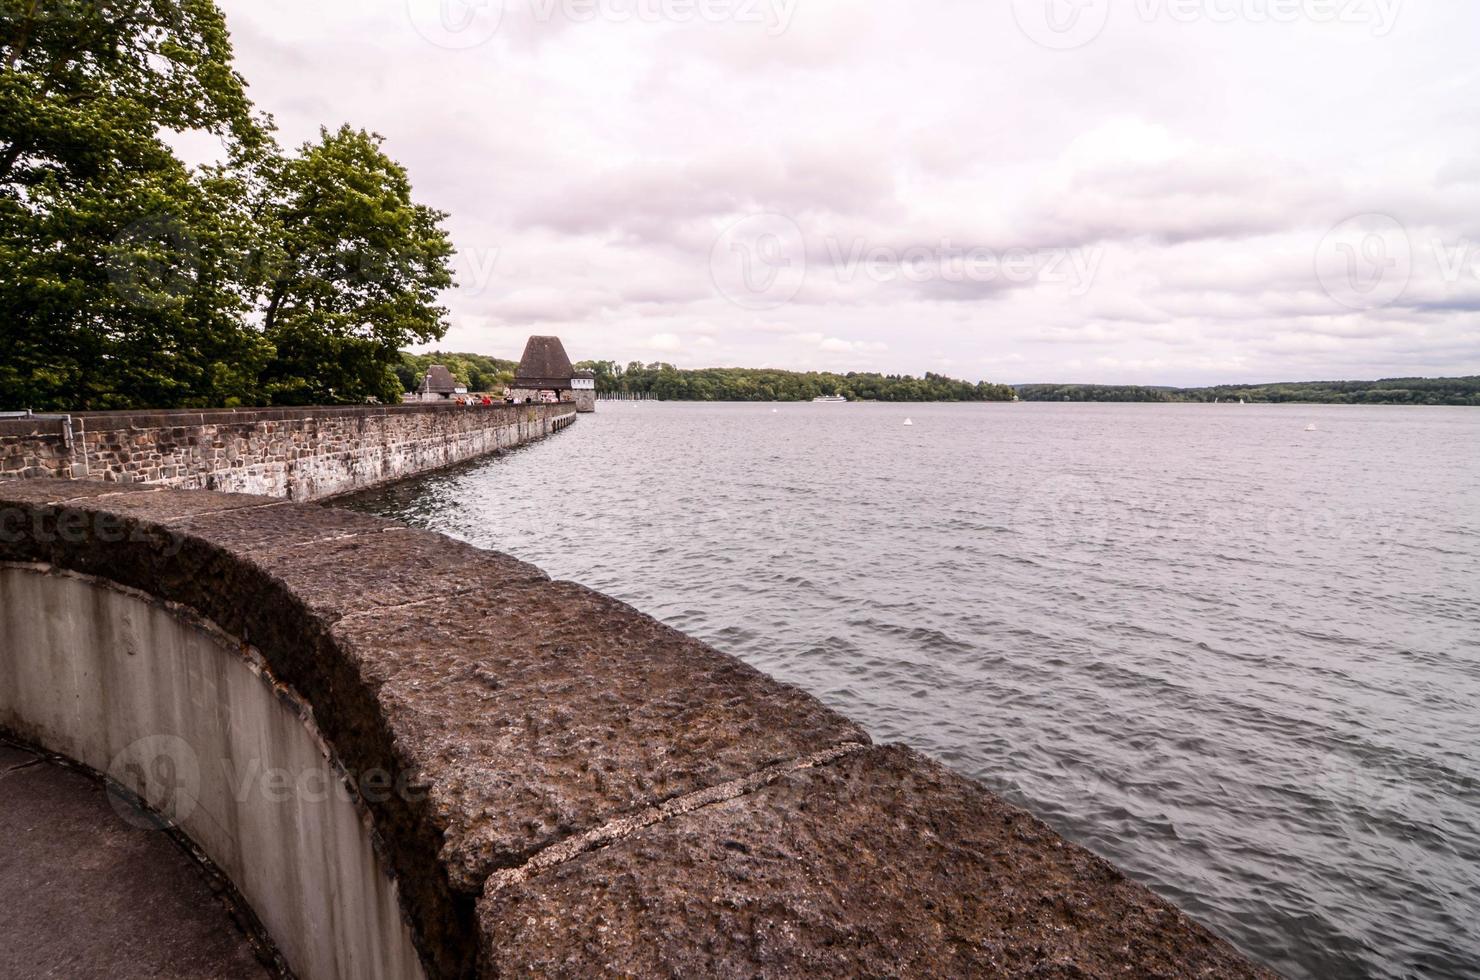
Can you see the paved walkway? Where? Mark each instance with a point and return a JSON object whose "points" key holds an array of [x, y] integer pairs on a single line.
{"points": [[85, 894]]}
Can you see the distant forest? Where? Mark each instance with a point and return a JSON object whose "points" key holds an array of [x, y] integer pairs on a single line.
{"points": [[668, 383], [478, 372], [665, 382], [1392, 391]]}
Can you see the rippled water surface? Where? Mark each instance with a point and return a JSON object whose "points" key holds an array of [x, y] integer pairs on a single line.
{"points": [[1237, 657]]}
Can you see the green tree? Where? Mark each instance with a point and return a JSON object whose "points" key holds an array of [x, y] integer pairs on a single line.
{"points": [[120, 282], [354, 273]]}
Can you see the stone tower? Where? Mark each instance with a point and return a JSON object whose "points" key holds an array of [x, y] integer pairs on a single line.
{"points": [[545, 374]]}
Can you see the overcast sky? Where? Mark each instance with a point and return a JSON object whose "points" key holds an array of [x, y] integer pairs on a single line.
{"points": [[1126, 191]]}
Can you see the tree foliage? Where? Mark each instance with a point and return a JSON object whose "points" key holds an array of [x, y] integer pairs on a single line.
{"points": [[479, 372], [354, 274], [1392, 391], [668, 383], [130, 280]]}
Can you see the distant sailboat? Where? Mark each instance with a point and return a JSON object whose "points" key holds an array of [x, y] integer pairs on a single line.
{"points": [[909, 421], [1312, 428]]}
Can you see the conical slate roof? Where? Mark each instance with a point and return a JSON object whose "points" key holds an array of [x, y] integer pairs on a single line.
{"points": [[544, 365], [439, 381]]}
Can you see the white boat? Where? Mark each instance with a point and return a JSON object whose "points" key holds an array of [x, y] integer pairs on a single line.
{"points": [[830, 400], [909, 421]]}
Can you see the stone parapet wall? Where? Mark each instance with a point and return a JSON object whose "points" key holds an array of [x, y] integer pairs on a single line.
{"points": [[555, 784], [299, 454], [38, 447]]}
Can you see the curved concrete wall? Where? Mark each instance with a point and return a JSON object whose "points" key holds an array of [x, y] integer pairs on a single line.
{"points": [[191, 722], [577, 788]]}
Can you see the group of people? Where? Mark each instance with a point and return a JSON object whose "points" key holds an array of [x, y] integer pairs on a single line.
{"points": [[486, 401]]}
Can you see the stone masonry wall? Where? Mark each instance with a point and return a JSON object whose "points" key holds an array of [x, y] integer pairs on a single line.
{"points": [[37, 447], [298, 454]]}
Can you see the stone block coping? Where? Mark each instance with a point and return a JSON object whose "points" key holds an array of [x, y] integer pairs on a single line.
{"points": [[596, 792]]}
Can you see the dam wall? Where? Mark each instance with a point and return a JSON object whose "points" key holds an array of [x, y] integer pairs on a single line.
{"points": [[413, 757], [298, 453]]}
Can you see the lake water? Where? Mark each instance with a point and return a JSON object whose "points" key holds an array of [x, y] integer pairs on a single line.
{"points": [[1237, 657]]}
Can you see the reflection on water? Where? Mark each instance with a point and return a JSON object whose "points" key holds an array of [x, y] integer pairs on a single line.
{"points": [[1238, 658]]}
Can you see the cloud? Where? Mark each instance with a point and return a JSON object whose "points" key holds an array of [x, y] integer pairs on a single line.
{"points": [[591, 166]]}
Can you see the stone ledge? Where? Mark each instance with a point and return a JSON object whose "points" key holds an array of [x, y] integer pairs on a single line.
{"points": [[621, 796], [879, 864], [527, 710]]}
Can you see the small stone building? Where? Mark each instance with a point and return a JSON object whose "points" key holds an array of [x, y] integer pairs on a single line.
{"points": [[439, 385], [545, 374]]}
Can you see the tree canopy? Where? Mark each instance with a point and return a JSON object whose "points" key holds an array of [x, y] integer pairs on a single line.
{"points": [[666, 382], [477, 371], [355, 272], [132, 280], [1391, 391]]}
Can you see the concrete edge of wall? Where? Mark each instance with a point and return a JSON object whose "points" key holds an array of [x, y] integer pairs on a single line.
{"points": [[579, 788], [169, 709]]}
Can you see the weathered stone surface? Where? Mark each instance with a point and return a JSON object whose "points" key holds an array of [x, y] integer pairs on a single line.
{"points": [[525, 720], [546, 708], [881, 864], [19, 491], [88, 896], [518, 710]]}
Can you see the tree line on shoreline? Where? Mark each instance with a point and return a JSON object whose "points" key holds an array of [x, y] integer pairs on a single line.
{"points": [[1390, 391], [129, 279], [664, 382]]}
